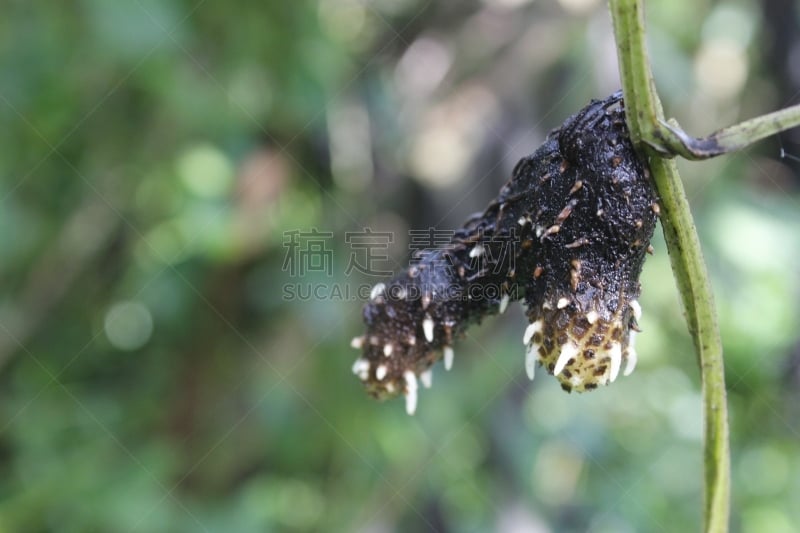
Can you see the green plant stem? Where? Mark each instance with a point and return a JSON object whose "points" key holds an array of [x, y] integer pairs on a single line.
{"points": [[646, 121], [728, 139], [645, 117]]}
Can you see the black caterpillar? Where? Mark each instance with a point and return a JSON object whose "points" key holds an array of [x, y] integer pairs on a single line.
{"points": [[568, 234]]}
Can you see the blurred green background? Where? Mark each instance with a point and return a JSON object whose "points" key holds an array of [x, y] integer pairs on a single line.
{"points": [[156, 156]]}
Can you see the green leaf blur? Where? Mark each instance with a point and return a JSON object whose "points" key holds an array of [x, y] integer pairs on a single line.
{"points": [[163, 366]]}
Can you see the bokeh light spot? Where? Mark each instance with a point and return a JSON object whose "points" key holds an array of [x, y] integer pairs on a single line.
{"points": [[128, 325], [205, 171], [721, 68]]}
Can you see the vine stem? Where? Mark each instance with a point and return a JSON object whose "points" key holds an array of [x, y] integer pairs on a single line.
{"points": [[645, 119]]}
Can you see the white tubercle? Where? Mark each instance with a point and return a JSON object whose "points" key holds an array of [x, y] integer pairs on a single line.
{"points": [[531, 356], [387, 350], [592, 316], [427, 378], [448, 357], [530, 331], [411, 391], [427, 328], [361, 368], [637, 309], [568, 351], [377, 290], [357, 343], [562, 303], [632, 356], [504, 303], [380, 372], [630, 362], [477, 250], [522, 221], [616, 361]]}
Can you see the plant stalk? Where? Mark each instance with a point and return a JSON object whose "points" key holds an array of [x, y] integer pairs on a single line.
{"points": [[646, 122]]}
